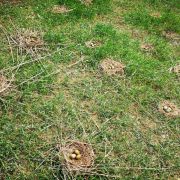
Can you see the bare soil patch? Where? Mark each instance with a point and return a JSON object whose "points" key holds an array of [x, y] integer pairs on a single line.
{"points": [[111, 67], [78, 156], [169, 109]]}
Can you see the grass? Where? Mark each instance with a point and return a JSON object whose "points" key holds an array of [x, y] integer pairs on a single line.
{"points": [[65, 97]]}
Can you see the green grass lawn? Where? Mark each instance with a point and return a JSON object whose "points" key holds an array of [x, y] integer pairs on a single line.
{"points": [[60, 95]]}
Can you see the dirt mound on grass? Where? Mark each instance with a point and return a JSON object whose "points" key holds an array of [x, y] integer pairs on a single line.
{"points": [[112, 67], [169, 109], [85, 160]]}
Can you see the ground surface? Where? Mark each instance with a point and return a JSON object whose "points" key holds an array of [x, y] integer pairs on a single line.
{"points": [[64, 95]]}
